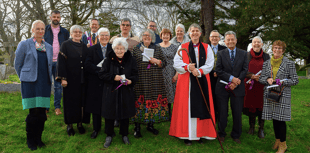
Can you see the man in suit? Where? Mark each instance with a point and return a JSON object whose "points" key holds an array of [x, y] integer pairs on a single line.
{"points": [[55, 35], [94, 26], [231, 66], [94, 93], [215, 46]]}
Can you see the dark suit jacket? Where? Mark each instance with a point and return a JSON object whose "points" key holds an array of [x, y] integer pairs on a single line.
{"points": [[85, 41], [95, 85], [224, 69], [212, 78], [220, 47]]}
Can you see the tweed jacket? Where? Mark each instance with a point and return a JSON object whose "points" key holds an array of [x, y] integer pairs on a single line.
{"points": [[26, 62], [279, 111]]}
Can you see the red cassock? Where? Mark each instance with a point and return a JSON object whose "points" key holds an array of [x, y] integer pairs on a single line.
{"points": [[180, 115]]}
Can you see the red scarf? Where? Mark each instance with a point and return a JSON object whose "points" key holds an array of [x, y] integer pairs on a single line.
{"points": [[254, 97]]}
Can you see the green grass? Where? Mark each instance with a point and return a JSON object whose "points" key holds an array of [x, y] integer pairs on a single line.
{"points": [[11, 79], [301, 73], [13, 135]]}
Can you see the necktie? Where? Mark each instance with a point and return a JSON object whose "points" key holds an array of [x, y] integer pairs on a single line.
{"points": [[103, 51], [215, 50], [94, 37], [232, 57]]}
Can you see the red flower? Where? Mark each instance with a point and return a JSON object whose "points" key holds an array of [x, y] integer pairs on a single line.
{"points": [[164, 102], [159, 99], [137, 105], [141, 99], [154, 104], [148, 103]]}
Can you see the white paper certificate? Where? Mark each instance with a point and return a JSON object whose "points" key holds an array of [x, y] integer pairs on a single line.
{"points": [[100, 63], [147, 54], [123, 77]]}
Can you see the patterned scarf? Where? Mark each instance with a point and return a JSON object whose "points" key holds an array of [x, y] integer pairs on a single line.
{"points": [[39, 47]]}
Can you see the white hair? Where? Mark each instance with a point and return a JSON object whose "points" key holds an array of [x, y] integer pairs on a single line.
{"points": [[103, 30], [75, 27], [34, 24], [120, 41], [150, 32], [230, 33], [194, 25], [258, 37], [181, 26]]}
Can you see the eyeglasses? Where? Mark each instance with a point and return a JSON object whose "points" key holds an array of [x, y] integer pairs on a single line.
{"points": [[126, 25], [214, 36], [145, 35], [104, 35], [277, 48], [153, 26]]}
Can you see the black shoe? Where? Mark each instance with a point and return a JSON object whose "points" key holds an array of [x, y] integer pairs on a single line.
{"points": [[137, 132], [94, 134], [81, 129], [70, 131], [150, 127], [188, 142], [108, 141], [200, 141], [116, 123], [31, 145], [126, 140]]}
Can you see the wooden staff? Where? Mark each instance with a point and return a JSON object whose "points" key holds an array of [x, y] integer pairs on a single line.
{"points": [[204, 98]]}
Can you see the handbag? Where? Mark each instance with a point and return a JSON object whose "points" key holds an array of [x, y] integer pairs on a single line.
{"points": [[274, 95]]}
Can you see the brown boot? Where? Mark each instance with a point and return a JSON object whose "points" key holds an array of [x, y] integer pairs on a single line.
{"points": [[282, 147], [276, 144], [261, 129]]}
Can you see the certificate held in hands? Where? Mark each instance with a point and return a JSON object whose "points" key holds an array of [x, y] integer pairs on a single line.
{"points": [[147, 54]]}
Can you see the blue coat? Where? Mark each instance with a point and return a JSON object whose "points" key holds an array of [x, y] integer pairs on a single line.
{"points": [[63, 35], [26, 62]]}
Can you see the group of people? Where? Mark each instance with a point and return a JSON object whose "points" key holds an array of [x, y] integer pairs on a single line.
{"points": [[129, 79]]}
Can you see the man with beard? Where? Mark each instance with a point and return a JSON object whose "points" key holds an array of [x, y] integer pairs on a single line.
{"points": [[92, 38], [55, 35]]}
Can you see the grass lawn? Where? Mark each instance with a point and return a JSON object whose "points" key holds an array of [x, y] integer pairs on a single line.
{"points": [[301, 73], [13, 134]]}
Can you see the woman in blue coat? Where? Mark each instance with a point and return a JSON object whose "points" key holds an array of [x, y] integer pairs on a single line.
{"points": [[33, 65]]}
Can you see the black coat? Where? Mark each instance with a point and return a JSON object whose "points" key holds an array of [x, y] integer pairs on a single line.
{"points": [[94, 84], [70, 66], [118, 104]]}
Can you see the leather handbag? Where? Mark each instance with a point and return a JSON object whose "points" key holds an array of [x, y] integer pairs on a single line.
{"points": [[274, 95]]}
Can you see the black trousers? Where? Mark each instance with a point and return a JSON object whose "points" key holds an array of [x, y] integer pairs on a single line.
{"points": [[123, 127], [279, 128], [36, 115], [96, 122], [236, 104]]}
